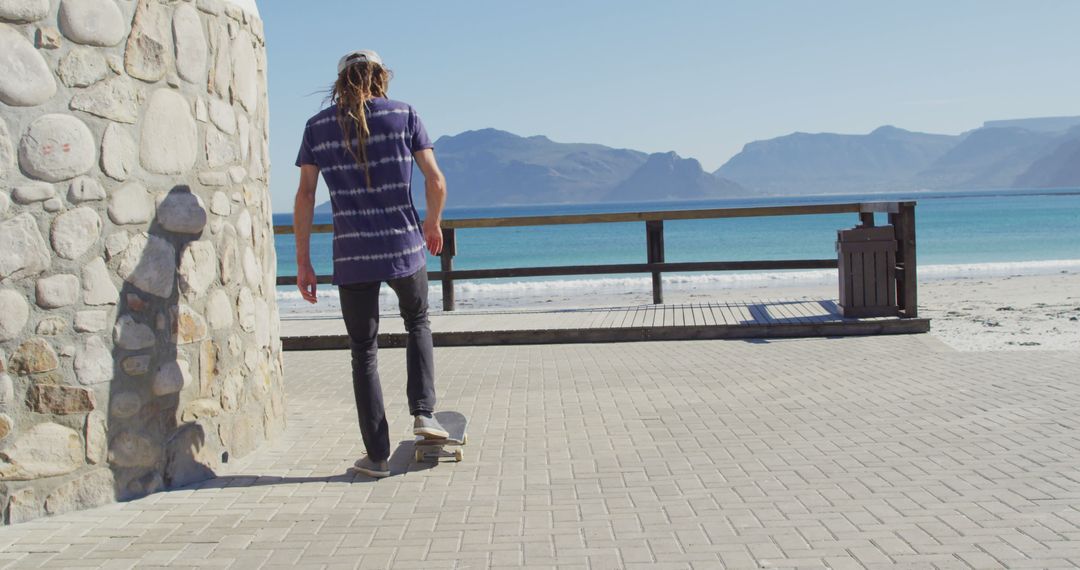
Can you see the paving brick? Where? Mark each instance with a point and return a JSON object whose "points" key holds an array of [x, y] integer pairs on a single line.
{"points": [[860, 453]]}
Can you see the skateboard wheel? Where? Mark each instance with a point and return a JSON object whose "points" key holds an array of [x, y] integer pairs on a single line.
{"points": [[465, 440], [458, 455], [419, 456]]}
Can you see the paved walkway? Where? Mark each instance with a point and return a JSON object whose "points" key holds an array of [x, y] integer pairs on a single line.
{"points": [[842, 453]]}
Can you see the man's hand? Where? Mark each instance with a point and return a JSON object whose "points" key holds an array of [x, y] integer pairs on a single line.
{"points": [[303, 212], [433, 236], [305, 280], [435, 191]]}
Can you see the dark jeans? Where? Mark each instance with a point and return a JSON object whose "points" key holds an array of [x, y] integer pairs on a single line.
{"points": [[360, 307]]}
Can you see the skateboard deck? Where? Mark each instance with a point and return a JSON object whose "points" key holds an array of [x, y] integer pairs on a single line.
{"points": [[435, 448]]}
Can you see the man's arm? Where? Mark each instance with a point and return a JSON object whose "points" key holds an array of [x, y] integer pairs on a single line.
{"points": [[303, 212], [435, 190]]}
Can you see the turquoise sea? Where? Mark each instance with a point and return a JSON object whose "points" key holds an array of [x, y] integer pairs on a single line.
{"points": [[959, 233]]}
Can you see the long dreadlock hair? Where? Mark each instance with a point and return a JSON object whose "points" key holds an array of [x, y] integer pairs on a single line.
{"points": [[357, 84]]}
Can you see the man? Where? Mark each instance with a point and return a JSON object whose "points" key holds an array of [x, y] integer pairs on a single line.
{"points": [[364, 145]]}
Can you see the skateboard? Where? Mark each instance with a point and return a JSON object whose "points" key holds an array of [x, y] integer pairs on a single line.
{"points": [[436, 448]]}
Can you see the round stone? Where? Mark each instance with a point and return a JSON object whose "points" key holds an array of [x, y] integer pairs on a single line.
{"points": [[127, 449], [246, 307], [136, 365], [230, 257], [262, 323], [243, 130], [171, 378], [145, 56], [25, 78], [57, 147], [131, 335], [91, 490], [252, 268], [220, 204], [51, 326], [237, 174], [198, 267], [191, 51], [31, 192], [34, 356], [130, 204], [46, 398], [116, 243], [125, 404], [82, 67], [85, 189], [118, 152], [188, 326], [149, 263], [75, 231], [47, 37], [23, 11], [213, 178], [90, 321], [24, 252], [57, 291], [260, 157], [201, 113], [97, 285], [7, 389], [221, 70], [245, 73], [92, 22], [243, 225], [181, 211], [7, 151], [169, 137], [219, 311], [115, 99], [94, 362], [223, 116], [45, 450], [14, 311], [220, 149], [96, 438]]}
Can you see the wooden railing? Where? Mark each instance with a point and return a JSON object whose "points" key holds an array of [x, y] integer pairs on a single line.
{"points": [[901, 216]]}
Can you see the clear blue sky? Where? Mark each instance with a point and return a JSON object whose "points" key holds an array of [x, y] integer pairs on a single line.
{"points": [[701, 78]]}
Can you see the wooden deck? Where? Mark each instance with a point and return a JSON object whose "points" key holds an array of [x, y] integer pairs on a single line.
{"points": [[753, 319]]}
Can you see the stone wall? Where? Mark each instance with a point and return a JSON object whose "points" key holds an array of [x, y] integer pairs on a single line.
{"points": [[138, 329]]}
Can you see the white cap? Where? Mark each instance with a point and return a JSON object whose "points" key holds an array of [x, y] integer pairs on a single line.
{"points": [[358, 57]]}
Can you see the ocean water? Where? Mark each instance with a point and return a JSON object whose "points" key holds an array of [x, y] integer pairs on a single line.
{"points": [[959, 234]]}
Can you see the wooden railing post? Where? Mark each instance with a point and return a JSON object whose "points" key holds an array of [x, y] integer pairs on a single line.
{"points": [[654, 243], [446, 260], [907, 284]]}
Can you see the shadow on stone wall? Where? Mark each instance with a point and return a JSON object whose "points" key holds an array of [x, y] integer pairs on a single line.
{"points": [[157, 440]]}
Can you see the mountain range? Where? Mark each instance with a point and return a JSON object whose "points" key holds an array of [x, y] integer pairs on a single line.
{"points": [[1019, 153], [490, 167]]}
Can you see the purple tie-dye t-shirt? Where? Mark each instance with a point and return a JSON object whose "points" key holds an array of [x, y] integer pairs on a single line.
{"points": [[377, 233]]}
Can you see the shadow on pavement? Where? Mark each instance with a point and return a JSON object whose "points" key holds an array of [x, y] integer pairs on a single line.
{"points": [[401, 462]]}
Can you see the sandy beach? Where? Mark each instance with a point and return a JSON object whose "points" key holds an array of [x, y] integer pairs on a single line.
{"points": [[1006, 313], [1018, 312]]}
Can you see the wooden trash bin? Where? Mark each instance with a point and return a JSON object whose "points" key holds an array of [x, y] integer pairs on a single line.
{"points": [[867, 260]]}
